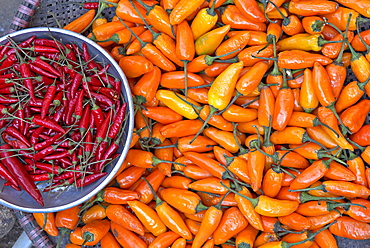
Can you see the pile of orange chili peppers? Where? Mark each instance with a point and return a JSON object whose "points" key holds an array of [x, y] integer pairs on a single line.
{"points": [[246, 134]]}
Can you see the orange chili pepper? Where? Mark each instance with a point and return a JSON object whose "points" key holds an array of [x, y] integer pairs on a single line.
{"points": [[148, 217], [349, 95], [318, 134], [354, 117], [295, 221], [332, 50], [120, 215], [211, 220], [208, 164], [223, 138], [346, 189], [272, 182], [283, 109], [183, 9], [109, 241], [313, 24], [165, 154], [155, 179], [232, 45], [327, 117], [296, 59], [322, 220], [181, 128], [125, 237], [183, 200], [163, 115], [129, 65], [47, 222], [341, 16], [178, 182], [126, 11], [250, 8], [350, 228], [359, 213], [231, 15], [94, 231], [170, 217], [196, 173], [67, 218], [232, 222], [292, 25], [147, 86], [129, 176], [357, 166], [96, 212], [179, 243], [250, 80], [310, 8], [176, 80], [81, 23]]}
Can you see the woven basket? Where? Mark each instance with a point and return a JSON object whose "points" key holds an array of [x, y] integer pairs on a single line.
{"points": [[56, 13]]}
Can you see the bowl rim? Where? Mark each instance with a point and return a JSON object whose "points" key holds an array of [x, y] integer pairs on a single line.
{"points": [[130, 120]]}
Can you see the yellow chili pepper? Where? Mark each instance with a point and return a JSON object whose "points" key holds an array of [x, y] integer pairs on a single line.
{"points": [[222, 89], [204, 21], [178, 103], [305, 42], [208, 42]]}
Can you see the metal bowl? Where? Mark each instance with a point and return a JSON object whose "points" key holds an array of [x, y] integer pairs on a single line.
{"points": [[57, 200]]}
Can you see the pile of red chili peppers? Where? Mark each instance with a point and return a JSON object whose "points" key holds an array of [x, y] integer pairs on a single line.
{"points": [[61, 115]]}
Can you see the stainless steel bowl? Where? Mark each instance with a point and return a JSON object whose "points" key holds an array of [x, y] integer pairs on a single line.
{"points": [[58, 200]]}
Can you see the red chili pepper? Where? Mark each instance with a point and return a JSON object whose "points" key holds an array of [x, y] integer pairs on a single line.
{"points": [[7, 63], [50, 168], [112, 149], [44, 49], [4, 49], [40, 177], [49, 96], [17, 169], [57, 101], [48, 123], [79, 104], [101, 98], [103, 129], [65, 162], [117, 122], [75, 84], [88, 143], [46, 143], [7, 175], [24, 44], [27, 114], [16, 134], [89, 179], [47, 42], [45, 66], [98, 115], [109, 92], [35, 135], [91, 64], [68, 117], [57, 155], [26, 74], [84, 122], [48, 150], [8, 99], [41, 72]]}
